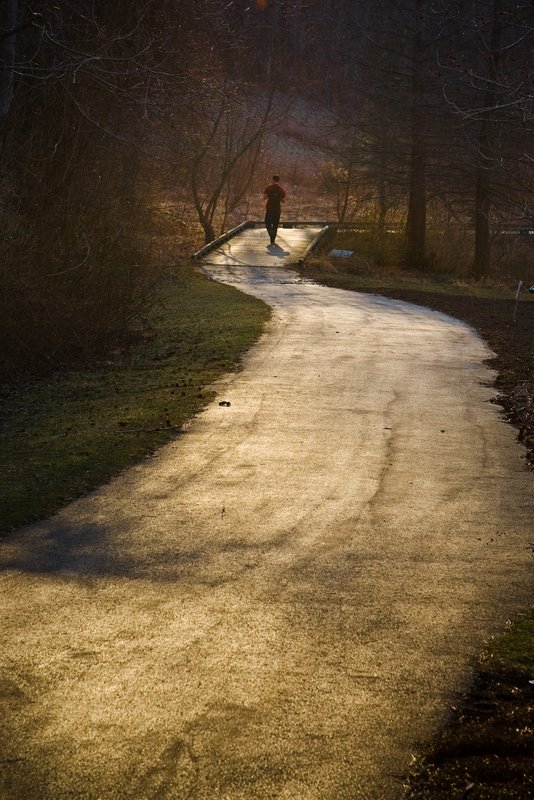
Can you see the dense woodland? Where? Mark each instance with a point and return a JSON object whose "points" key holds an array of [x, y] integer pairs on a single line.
{"points": [[128, 123]]}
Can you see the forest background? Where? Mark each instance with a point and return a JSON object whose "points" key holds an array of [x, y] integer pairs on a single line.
{"points": [[130, 133]]}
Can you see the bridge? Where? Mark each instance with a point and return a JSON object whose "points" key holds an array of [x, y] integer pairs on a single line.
{"points": [[248, 245]]}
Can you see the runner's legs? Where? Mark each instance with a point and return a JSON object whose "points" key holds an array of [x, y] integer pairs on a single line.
{"points": [[272, 218]]}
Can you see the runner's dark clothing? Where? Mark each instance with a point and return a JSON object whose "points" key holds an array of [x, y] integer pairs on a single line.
{"points": [[272, 220], [275, 194]]}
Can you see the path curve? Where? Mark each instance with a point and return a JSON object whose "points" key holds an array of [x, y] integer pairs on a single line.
{"points": [[283, 602]]}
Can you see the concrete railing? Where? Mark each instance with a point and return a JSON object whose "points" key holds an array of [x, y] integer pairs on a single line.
{"points": [[313, 244], [224, 238]]}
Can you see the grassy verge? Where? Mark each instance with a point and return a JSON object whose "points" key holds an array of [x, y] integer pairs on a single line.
{"points": [[487, 749], [342, 277], [360, 272], [373, 265], [61, 438]]}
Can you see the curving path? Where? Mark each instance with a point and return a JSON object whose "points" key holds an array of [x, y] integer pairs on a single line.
{"points": [[283, 602]]}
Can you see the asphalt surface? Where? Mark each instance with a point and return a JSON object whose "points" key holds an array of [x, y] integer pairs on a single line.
{"points": [[285, 601]]}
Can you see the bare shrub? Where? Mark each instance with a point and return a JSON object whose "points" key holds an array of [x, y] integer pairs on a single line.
{"points": [[60, 310], [450, 249], [513, 256]]}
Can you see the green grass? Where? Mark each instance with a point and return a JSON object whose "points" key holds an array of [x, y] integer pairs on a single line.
{"points": [[514, 651], [62, 438], [369, 269], [342, 277]]}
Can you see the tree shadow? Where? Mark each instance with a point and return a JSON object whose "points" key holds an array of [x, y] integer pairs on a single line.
{"points": [[61, 549], [85, 550]]}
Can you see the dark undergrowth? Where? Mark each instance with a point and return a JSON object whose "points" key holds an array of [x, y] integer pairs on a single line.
{"points": [[486, 752]]}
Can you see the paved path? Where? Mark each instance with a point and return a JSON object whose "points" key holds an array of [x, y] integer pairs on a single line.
{"points": [[283, 602]]}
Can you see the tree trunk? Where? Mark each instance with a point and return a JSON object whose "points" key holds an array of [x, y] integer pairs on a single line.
{"points": [[8, 23], [343, 199], [482, 259], [382, 205], [416, 222]]}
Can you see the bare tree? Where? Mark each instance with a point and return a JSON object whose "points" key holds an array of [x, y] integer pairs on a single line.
{"points": [[225, 145], [417, 197], [488, 70]]}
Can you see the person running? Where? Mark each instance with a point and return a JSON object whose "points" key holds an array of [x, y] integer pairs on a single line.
{"points": [[275, 195]]}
